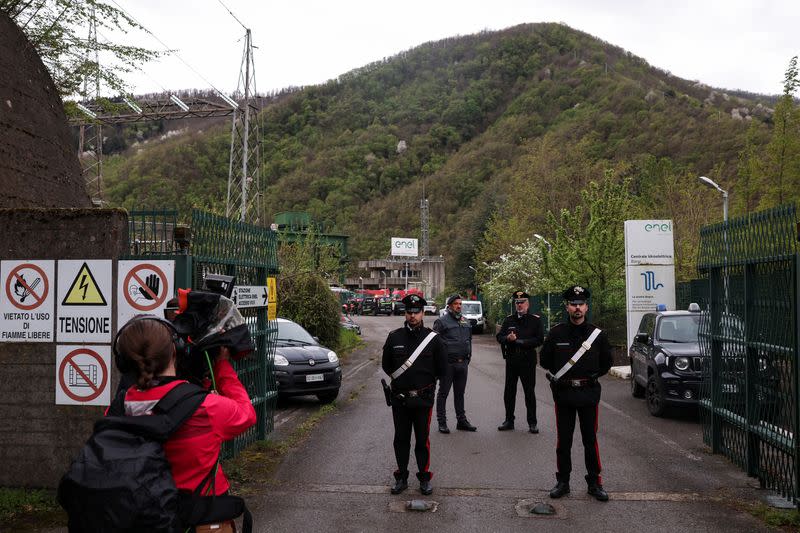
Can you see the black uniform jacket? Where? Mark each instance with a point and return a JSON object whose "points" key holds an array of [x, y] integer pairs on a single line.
{"points": [[429, 366], [530, 334], [456, 333], [562, 342]]}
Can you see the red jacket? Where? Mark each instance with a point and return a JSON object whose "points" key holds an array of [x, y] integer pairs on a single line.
{"points": [[193, 448]]}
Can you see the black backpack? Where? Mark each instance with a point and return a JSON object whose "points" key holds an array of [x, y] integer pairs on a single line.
{"points": [[121, 480]]}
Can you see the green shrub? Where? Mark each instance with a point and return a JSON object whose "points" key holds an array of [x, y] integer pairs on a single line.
{"points": [[306, 299]]}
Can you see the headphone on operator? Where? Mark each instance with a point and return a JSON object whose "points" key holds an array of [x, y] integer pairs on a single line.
{"points": [[177, 341]]}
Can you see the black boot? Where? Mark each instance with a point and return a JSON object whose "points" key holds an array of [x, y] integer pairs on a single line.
{"points": [[464, 425], [561, 488], [506, 425], [425, 486], [400, 482], [532, 428], [443, 427], [598, 492]]}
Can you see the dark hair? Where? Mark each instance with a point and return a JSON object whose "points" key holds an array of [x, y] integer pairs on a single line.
{"points": [[149, 346]]}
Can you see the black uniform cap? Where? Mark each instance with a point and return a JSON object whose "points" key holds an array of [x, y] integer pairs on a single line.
{"points": [[520, 295], [576, 294], [452, 298], [414, 303]]}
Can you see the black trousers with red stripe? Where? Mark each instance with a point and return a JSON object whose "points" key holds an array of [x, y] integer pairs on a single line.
{"points": [[407, 419], [565, 425]]}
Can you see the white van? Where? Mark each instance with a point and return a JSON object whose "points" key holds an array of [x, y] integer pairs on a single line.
{"points": [[472, 310]]}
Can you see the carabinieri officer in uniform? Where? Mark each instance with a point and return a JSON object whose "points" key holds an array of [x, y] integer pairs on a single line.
{"points": [[414, 373], [576, 353]]}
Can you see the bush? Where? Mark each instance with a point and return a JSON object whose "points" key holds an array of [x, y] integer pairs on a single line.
{"points": [[306, 299]]}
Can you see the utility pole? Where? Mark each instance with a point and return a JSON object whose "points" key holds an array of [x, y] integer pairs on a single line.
{"points": [[244, 199]]}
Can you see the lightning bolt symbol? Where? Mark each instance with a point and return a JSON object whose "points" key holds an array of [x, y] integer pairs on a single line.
{"points": [[83, 285]]}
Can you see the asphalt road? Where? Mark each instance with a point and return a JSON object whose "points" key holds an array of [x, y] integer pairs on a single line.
{"points": [[658, 473]]}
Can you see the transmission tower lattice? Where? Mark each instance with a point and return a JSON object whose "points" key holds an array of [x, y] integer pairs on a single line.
{"points": [[423, 224], [244, 174], [90, 136]]}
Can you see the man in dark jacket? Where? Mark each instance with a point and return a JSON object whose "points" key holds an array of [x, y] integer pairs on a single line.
{"points": [[574, 370], [519, 336], [456, 333], [413, 390]]}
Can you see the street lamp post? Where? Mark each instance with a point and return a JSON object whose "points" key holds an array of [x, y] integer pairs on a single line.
{"points": [[711, 184], [475, 279], [549, 251]]}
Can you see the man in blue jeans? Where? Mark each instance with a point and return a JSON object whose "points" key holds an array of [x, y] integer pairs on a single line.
{"points": [[456, 333]]}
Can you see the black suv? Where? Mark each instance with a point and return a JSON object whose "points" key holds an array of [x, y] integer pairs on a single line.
{"points": [[665, 359], [384, 306], [369, 306]]}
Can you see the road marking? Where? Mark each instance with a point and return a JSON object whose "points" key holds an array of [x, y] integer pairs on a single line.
{"points": [[505, 493], [356, 368], [666, 440]]}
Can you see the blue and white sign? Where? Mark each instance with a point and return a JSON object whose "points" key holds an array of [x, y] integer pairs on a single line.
{"points": [[649, 269]]}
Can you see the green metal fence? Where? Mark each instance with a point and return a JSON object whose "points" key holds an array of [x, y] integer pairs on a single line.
{"points": [[748, 339], [211, 244]]}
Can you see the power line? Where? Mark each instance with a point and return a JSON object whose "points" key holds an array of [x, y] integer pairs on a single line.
{"points": [[169, 50], [234, 16]]}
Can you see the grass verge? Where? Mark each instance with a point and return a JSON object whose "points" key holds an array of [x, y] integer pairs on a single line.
{"points": [[786, 519], [30, 509]]}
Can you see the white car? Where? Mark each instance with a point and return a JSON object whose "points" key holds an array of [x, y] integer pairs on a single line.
{"points": [[431, 309]]}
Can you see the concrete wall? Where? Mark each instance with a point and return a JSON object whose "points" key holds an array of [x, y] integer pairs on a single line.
{"points": [[38, 439]]}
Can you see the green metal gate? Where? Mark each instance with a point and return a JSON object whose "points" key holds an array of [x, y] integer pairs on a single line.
{"points": [[748, 340], [211, 244]]}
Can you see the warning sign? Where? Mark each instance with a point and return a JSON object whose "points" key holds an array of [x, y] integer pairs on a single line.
{"points": [[84, 301], [144, 287], [84, 289], [82, 375], [26, 301], [272, 293], [250, 296]]}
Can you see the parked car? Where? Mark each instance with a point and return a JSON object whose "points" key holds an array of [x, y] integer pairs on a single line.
{"points": [[369, 306], [303, 366], [472, 310], [349, 323], [398, 307], [431, 309], [385, 306], [665, 358]]}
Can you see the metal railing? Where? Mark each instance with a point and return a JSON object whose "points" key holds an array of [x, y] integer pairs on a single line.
{"points": [[217, 245], [748, 337]]}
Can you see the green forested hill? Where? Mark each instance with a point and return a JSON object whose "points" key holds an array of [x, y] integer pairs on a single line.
{"points": [[499, 128]]}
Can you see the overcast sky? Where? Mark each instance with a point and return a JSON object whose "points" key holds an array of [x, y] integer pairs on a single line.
{"points": [[732, 44]]}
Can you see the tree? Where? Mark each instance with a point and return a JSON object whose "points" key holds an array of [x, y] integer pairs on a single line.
{"points": [[588, 248], [783, 151], [52, 27], [519, 269]]}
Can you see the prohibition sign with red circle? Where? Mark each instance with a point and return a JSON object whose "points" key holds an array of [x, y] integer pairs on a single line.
{"points": [[157, 299], [96, 389], [38, 299]]}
